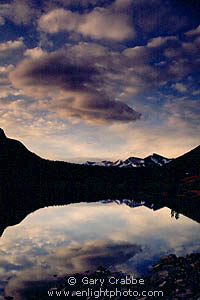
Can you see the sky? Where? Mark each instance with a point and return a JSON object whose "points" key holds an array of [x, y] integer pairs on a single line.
{"points": [[100, 79]]}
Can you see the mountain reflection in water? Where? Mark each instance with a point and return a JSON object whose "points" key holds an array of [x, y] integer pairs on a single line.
{"points": [[69, 239]]}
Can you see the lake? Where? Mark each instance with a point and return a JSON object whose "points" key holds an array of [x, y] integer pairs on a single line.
{"points": [[59, 240]]}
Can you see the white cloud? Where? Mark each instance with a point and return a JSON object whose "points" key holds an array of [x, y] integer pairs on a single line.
{"points": [[180, 87], [171, 52], [88, 51], [5, 84], [35, 52], [180, 68], [101, 23], [59, 20], [20, 12], [121, 5], [196, 93], [138, 55], [159, 41], [184, 114], [6, 69], [6, 48], [192, 32]]}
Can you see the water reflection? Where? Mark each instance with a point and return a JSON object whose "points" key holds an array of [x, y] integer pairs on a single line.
{"points": [[80, 237]]}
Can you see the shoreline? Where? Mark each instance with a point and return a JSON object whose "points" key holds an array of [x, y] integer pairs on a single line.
{"points": [[172, 278]]}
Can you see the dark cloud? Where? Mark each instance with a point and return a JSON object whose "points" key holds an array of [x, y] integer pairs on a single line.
{"points": [[90, 82], [7, 266], [75, 86], [54, 70], [69, 260], [95, 253]]}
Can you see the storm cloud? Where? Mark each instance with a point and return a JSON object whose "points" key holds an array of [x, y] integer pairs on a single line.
{"points": [[75, 88]]}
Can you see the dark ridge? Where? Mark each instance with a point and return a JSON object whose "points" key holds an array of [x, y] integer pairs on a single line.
{"points": [[186, 163], [2, 135]]}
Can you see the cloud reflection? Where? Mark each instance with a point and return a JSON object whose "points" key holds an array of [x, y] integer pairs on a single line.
{"points": [[75, 258], [50, 242]]}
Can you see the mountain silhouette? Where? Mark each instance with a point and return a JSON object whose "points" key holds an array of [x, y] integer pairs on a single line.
{"points": [[188, 162], [25, 173], [29, 182]]}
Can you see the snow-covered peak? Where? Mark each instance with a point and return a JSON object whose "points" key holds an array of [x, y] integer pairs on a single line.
{"points": [[135, 162]]}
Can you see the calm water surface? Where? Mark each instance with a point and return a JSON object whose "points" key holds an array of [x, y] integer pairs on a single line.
{"points": [[78, 237]]}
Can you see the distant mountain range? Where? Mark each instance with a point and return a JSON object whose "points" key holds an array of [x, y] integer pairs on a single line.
{"points": [[149, 161]]}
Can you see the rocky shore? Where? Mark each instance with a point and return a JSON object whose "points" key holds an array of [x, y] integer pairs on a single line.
{"points": [[172, 278], [177, 277]]}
